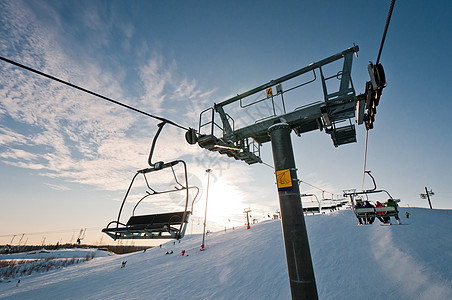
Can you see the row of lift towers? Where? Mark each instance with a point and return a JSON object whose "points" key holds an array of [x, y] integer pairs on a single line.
{"points": [[333, 115]]}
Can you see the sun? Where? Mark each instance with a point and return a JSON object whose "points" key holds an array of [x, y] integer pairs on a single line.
{"points": [[224, 206]]}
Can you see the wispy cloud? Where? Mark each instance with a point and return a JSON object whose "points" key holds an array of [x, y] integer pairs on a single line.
{"points": [[154, 77], [71, 135]]}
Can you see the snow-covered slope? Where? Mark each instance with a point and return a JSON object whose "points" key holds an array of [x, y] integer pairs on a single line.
{"points": [[62, 253], [350, 262]]}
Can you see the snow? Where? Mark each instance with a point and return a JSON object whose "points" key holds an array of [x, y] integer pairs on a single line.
{"points": [[412, 261], [63, 253]]}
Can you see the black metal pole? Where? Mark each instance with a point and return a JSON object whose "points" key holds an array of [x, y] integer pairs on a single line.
{"points": [[205, 211], [298, 255], [428, 197], [247, 220]]}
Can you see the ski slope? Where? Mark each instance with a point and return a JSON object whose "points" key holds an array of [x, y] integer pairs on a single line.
{"points": [[411, 261], [58, 254]]}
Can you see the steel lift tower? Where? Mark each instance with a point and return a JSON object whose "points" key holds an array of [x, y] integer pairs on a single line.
{"points": [[333, 115]]}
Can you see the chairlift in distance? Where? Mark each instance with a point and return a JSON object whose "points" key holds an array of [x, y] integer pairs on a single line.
{"points": [[369, 212], [170, 225], [328, 203], [314, 207]]}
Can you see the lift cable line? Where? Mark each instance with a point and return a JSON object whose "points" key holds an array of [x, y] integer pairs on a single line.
{"points": [[268, 165], [92, 93], [49, 232], [374, 88], [391, 7], [301, 181]]}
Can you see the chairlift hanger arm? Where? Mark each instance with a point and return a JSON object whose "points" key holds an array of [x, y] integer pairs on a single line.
{"points": [[160, 125], [373, 180], [194, 198]]}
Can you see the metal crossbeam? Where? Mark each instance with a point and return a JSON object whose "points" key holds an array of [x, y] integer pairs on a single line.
{"points": [[338, 106]]}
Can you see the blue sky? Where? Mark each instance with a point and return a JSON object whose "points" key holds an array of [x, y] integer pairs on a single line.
{"points": [[67, 157]]}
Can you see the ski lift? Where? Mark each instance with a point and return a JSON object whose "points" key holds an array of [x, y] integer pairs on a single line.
{"points": [[311, 206], [370, 212], [328, 203], [170, 225]]}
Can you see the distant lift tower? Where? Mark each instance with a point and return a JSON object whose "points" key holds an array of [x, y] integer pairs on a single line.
{"points": [[334, 114]]}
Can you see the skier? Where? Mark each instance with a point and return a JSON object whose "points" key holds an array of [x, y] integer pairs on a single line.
{"points": [[392, 203], [359, 204], [369, 220], [380, 213]]}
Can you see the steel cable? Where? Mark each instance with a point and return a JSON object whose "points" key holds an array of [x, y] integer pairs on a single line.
{"points": [[91, 93], [391, 7]]}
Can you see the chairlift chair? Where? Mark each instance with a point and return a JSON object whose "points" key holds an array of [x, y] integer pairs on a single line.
{"points": [[170, 225], [370, 212], [311, 206]]}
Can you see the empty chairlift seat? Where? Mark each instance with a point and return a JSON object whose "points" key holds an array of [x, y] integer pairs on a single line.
{"points": [[165, 225]]}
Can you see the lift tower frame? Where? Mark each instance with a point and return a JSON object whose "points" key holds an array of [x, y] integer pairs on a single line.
{"points": [[334, 114]]}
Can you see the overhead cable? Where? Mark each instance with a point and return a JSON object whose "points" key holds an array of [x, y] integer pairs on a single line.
{"points": [[391, 7], [49, 232], [388, 19], [91, 93], [315, 187], [268, 165]]}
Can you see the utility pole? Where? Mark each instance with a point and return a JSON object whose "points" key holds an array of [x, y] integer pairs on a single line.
{"points": [[205, 212], [298, 255], [427, 195], [247, 211]]}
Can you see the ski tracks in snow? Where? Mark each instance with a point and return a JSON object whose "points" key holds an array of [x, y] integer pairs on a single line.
{"points": [[412, 279]]}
